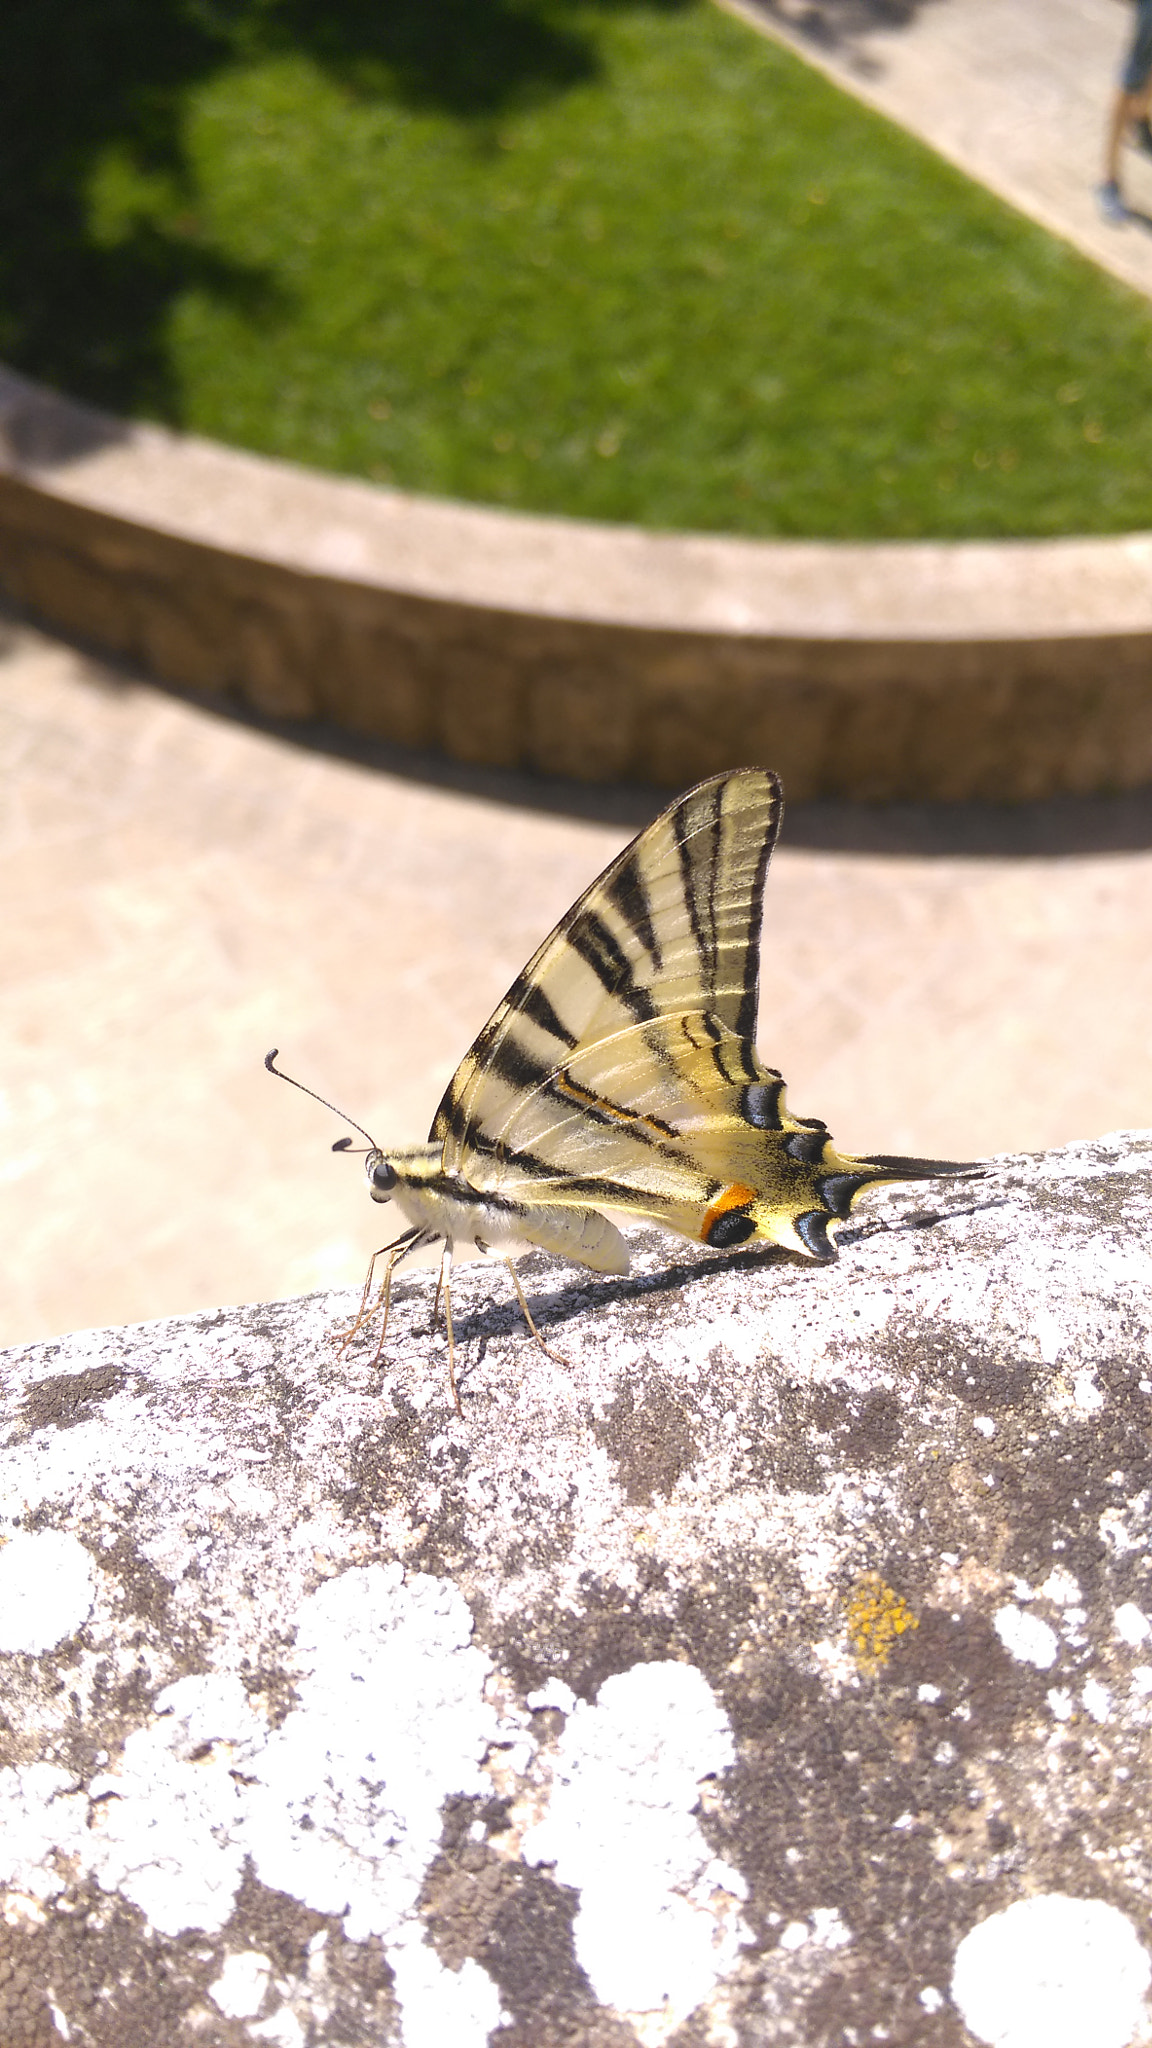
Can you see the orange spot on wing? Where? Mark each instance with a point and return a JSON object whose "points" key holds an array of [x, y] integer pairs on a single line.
{"points": [[736, 1196]]}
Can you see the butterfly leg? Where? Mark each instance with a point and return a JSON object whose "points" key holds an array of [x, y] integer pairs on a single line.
{"points": [[397, 1250], [527, 1315], [445, 1282], [385, 1299], [344, 1337]]}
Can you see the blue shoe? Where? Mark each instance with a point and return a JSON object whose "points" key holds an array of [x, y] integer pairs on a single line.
{"points": [[1111, 204]]}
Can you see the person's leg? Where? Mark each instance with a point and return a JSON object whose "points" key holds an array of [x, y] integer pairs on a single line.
{"points": [[1129, 111], [1132, 101], [1125, 109], [1141, 126]]}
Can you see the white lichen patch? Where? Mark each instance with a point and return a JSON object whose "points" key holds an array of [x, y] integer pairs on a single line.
{"points": [[239, 1989], [1097, 1700], [42, 1819], [1061, 1588], [461, 2006], [1050, 1336], [1086, 1394], [1131, 1624], [1026, 1637], [340, 1806], [1053, 1972], [824, 1926], [46, 1590], [659, 1923], [391, 1720]]}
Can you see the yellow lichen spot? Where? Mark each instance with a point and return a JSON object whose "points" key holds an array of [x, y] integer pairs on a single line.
{"points": [[876, 1616]]}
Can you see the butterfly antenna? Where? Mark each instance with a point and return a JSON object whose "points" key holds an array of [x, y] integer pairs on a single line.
{"points": [[341, 1144]]}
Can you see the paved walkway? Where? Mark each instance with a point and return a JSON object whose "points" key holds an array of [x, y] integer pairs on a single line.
{"points": [[1016, 92], [178, 892]]}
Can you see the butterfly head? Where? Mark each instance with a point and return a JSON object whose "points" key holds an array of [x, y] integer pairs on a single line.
{"points": [[381, 1176]]}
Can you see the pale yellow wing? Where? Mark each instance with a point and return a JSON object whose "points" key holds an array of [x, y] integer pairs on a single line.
{"points": [[672, 925], [620, 1070]]}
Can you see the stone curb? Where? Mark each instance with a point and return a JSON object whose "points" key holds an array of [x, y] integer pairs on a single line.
{"points": [[777, 1669], [995, 670]]}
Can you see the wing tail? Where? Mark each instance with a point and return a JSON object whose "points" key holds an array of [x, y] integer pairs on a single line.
{"points": [[892, 1166]]}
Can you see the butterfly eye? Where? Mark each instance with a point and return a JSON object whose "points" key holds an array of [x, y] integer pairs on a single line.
{"points": [[382, 1177]]}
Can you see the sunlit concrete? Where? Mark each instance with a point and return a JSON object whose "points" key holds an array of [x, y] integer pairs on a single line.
{"points": [[179, 891]]}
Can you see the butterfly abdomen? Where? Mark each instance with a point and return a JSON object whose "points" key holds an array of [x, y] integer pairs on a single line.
{"points": [[447, 1207]]}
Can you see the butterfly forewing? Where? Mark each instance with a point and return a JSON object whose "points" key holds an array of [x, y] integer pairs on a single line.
{"points": [[616, 1064]]}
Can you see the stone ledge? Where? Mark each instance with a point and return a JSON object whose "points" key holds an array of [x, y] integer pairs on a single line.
{"points": [[1000, 670], [779, 1670]]}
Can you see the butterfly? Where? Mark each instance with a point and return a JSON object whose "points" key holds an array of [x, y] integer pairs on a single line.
{"points": [[620, 1072]]}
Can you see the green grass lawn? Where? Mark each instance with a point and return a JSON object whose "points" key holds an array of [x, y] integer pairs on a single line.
{"points": [[617, 258]]}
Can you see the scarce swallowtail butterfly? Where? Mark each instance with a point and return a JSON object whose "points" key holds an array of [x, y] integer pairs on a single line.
{"points": [[620, 1072]]}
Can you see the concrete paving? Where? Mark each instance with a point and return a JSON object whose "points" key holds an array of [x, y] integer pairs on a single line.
{"points": [[1017, 94], [180, 890]]}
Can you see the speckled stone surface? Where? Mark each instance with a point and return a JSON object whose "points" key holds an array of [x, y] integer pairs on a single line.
{"points": [[767, 1673]]}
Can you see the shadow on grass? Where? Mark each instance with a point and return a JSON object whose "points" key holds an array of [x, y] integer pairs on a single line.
{"points": [[89, 314], [474, 59]]}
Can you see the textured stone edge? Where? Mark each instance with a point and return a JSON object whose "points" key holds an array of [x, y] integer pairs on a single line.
{"points": [[980, 670], [773, 1672]]}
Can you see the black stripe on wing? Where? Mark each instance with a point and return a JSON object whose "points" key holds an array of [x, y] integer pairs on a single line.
{"points": [[649, 1129], [726, 1051], [525, 1076], [695, 860], [750, 976], [724, 847], [528, 999], [599, 947], [627, 892], [504, 1057], [596, 1189]]}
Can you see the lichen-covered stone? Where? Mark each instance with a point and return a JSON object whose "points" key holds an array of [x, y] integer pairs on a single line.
{"points": [[711, 1689]]}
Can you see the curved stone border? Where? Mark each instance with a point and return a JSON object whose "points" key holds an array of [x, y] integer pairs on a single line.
{"points": [[1001, 670]]}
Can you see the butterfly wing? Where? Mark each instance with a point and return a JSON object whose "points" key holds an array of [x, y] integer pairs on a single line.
{"points": [[620, 1070], [672, 925]]}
